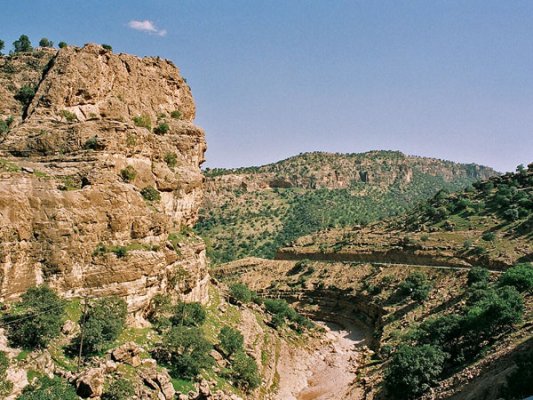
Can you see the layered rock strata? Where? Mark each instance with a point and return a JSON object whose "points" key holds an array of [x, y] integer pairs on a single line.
{"points": [[99, 177]]}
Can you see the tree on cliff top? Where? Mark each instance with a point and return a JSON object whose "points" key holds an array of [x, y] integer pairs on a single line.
{"points": [[22, 44]]}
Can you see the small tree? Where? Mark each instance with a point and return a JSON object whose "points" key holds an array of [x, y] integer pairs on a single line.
{"points": [[244, 372], [416, 286], [107, 47], [239, 293], [62, 45], [231, 340], [38, 319], [2, 45], [102, 324], [44, 42], [188, 314], [185, 351], [413, 370], [23, 44]]}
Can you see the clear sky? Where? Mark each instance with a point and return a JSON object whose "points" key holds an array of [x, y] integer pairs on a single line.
{"points": [[273, 78]]}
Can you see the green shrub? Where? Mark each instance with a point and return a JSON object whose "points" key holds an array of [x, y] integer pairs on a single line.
{"points": [[107, 47], [150, 193], [188, 314], [25, 95], [120, 251], [22, 44], [49, 389], [185, 352], [520, 276], [5, 385], [488, 236], [416, 286], [240, 293], [69, 116], [413, 369], [176, 114], [3, 126], [161, 129], [171, 159], [101, 325], [244, 372], [120, 389], [92, 144], [143, 121], [495, 311], [128, 174], [478, 275], [62, 45], [37, 319], [2, 45], [231, 340], [44, 42], [439, 331]]}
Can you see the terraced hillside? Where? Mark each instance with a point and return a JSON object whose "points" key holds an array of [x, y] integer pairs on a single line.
{"points": [[254, 211]]}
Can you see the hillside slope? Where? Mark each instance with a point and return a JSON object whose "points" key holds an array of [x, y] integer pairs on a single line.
{"points": [[254, 211], [489, 224]]}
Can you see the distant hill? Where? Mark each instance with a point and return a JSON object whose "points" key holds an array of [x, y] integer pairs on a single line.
{"points": [[253, 211], [490, 223]]}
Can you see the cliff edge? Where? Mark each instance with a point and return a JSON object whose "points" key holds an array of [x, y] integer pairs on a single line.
{"points": [[99, 177]]}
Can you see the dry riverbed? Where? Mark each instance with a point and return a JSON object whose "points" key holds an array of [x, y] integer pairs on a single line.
{"points": [[325, 373]]}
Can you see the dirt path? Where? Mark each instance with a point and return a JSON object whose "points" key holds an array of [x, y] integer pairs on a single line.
{"points": [[325, 374]]}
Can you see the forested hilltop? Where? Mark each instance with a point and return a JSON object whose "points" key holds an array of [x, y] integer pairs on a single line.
{"points": [[254, 211]]}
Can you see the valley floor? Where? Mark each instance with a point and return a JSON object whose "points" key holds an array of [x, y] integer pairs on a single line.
{"points": [[327, 373]]}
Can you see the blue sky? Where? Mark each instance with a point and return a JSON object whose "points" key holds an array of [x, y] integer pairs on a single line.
{"points": [[273, 78]]}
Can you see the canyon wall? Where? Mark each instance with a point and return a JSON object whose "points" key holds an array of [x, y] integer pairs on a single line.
{"points": [[99, 177]]}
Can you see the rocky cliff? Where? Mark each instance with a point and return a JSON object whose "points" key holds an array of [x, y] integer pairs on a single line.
{"points": [[99, 176]]}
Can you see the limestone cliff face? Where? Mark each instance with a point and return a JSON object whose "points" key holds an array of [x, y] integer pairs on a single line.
{"points": [[70, 215]]}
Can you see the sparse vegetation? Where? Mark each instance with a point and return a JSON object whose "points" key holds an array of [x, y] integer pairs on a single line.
{"points": [[143, 121], [119, 389], [25, 95], [161, 129], [416, 286], [44, 42], [150, 193], [128, 174], [176, 114], [49, 389], [171, 159], [69, 116]]}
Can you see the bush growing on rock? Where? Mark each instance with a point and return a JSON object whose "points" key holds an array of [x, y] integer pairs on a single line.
{"points": [[416, 286], [128, 174], [413, 369], [143, 121], [185, 352], [150, 193], [37, 318], [161, 129], [62, 45], [2, 45], [49, 389], [176, 114], [188, 314], [231, 340], [25, 95], [101, 325], [107, 47], [171, 159]]}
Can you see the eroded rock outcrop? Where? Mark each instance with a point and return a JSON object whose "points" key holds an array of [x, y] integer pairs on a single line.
{"points": [[74, 167]]}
